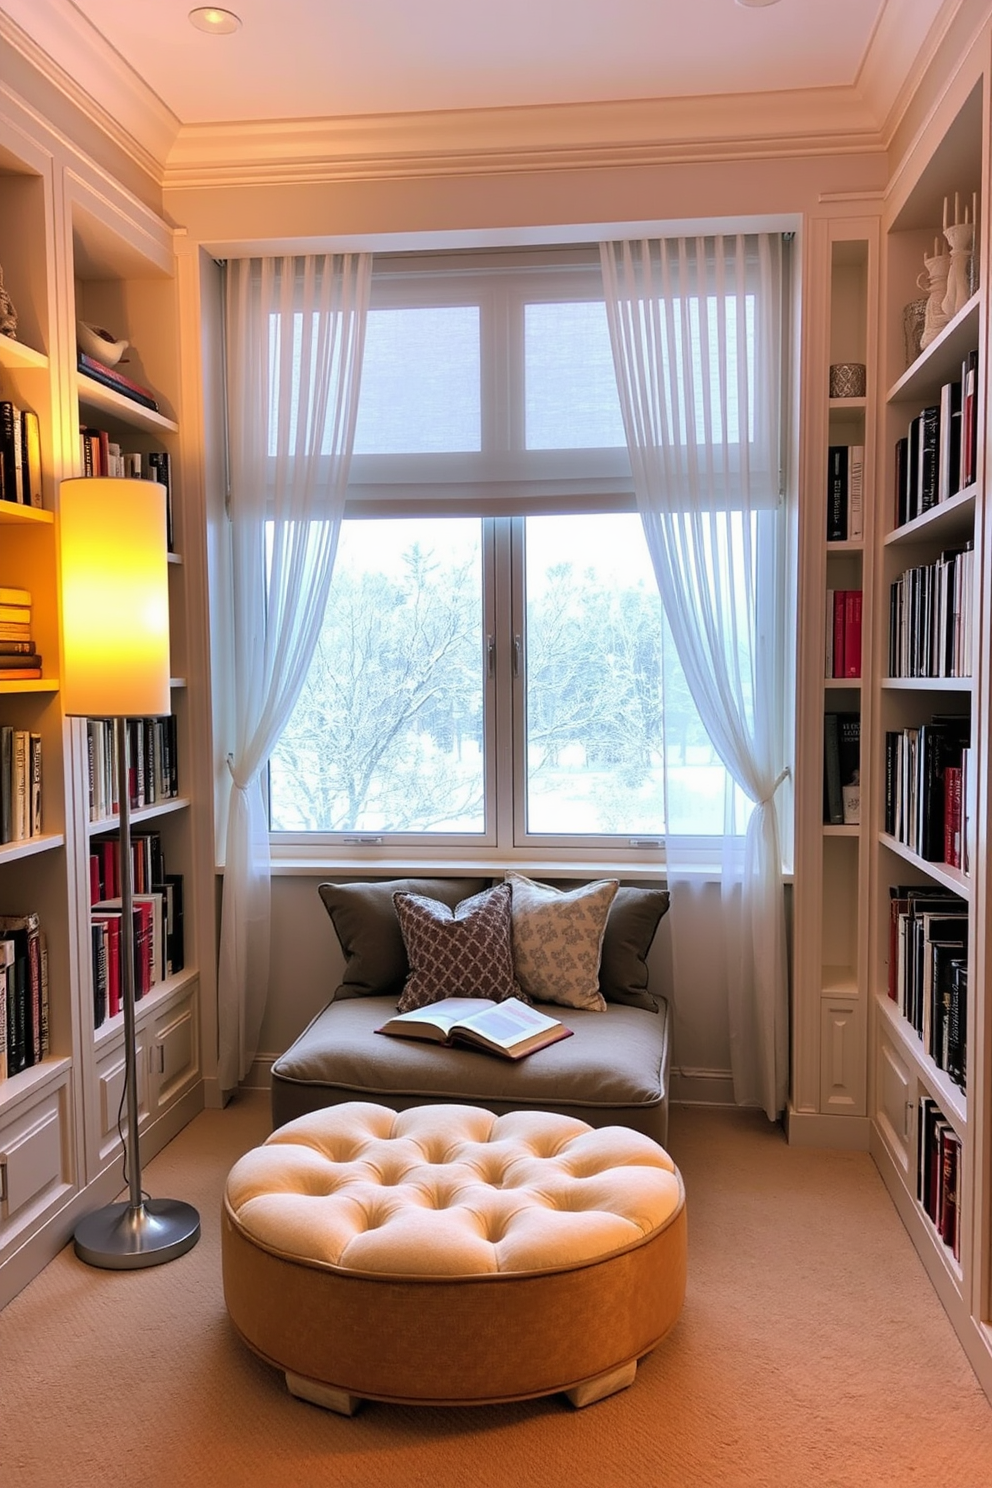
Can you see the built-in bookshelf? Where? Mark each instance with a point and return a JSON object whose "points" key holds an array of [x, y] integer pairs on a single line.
{"points": [[76, 246], [929, 1086], [827, 1102]]}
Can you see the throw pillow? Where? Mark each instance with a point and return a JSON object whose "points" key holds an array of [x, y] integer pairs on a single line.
{"points": [[464, 952], [635, 915], [558, 939], [364, 920]]}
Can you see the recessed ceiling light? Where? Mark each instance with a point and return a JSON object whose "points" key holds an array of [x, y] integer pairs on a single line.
{"points": [[217, 22], [756, 4]]}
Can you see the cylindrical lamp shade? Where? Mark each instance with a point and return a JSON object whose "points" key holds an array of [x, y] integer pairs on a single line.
{"points": [[114, 576]]}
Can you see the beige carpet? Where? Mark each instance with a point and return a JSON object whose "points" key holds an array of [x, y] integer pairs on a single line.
{"points": [[811, 1352]]}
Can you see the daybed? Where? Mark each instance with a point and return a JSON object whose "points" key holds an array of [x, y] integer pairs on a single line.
{"points": [[614, 1070]]}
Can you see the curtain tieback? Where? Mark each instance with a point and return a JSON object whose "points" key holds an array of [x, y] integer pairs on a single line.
{"points": [[230, 765], [782, 775]]}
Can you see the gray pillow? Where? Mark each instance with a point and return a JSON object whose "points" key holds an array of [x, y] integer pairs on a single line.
{"points": [[365, 922], [630, 930]]}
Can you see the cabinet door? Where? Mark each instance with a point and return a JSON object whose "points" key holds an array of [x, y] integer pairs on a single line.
{"points": [[35, 1163], [842, 1072], [174, 1050]]}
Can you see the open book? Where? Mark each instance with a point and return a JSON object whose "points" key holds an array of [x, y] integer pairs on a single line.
{"points": [[511, 1028]]}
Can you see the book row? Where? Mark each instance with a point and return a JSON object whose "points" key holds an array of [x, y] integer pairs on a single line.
{"points": [[157, 944], [20, 455], [939, 1174], [930, 617], [845, 492], [927, 790], [24, 1001], [842, 768], [928, 970], [101, 455], [153, 768], [843, 633], [937, 457], [20, 784]]}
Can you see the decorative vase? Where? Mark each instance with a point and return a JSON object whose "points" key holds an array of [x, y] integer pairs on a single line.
{"points": [[934, 280], [913, 318], [960, 237], [847, 380]]}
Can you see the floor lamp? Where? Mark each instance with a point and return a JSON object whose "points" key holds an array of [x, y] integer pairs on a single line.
{"points": [[115, 664]]}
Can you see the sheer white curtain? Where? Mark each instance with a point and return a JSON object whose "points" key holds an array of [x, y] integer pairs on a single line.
{"points": [[295, 330], [695, 325]]}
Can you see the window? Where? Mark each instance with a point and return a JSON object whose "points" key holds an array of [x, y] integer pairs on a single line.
{"points": [[492, 664]]}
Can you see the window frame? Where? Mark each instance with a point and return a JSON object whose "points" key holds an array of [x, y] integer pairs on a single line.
{"points": [[500, 484]]}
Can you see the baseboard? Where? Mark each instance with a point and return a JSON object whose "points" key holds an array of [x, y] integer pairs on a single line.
{"points": [[695, 1087], [808, 1129], [259, 1076]]}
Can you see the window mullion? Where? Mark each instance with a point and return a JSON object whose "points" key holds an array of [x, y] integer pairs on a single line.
{"points": [[503, 755]]}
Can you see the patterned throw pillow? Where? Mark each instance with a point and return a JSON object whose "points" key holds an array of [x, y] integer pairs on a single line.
{"points": [[464, 952], [558, 940]]}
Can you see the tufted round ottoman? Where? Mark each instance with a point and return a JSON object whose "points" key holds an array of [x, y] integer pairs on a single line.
{"points": [[445, 1255]]}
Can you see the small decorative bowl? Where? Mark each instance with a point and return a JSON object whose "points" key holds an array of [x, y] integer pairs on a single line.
{"points": [[847, 380], [99, 344]]}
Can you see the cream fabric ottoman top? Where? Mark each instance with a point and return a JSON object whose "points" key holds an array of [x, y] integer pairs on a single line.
{"points": [[450, 1191], [449, 1256]]}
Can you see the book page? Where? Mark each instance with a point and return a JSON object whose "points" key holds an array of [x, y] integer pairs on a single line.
{"points": [[508, 1022]]}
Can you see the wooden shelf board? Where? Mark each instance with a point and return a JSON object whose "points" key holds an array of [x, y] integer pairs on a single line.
{"points": [[142, 814], [10, 852], [34, 684], [13, 514], [15, 355], [105, 400]]}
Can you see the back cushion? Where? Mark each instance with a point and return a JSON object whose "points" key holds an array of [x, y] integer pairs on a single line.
{"points": [[365, 922]]}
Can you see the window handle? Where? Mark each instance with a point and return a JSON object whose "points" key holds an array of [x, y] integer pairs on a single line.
{"points": [[518, 655], [490, 656]]}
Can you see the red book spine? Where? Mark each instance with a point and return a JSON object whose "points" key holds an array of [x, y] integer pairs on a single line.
{"points": [[952, 815], [840, 631], [852, 633]]}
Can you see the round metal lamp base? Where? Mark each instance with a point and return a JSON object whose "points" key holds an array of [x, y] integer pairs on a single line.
{"points": [[123, 1237]]}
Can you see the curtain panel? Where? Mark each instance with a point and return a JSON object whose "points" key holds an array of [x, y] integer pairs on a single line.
{"points": [[697, 337], [295, 329]]}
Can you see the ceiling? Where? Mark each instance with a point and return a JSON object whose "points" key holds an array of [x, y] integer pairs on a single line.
{"points": [[311, 59]]}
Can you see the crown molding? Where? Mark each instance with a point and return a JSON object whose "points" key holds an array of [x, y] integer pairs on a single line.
{"points": [[527, 138], [61, 45]]}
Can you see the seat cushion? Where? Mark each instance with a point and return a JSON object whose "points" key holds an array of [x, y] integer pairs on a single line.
{"points": [[613, 1071]]}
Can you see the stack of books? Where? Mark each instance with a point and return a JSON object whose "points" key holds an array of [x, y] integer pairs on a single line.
{"points": [[19, 660], [111, 377]]}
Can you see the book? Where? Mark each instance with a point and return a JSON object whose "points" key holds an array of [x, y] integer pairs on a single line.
{"points": [[856, 492], [510, 1029], [11, 463], [6, 994], [14, 596], [849, 766], [31, 457], [949, 441], [837, 494], [833, 801], [24, 932]]}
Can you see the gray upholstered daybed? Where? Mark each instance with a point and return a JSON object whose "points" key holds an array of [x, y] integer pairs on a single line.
{"points": [[614, 1070]]}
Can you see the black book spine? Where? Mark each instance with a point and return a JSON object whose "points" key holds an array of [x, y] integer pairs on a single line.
{"points": [[837, 493], [929, 456]]}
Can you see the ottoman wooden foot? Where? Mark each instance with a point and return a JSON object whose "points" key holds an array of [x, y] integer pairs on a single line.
{"points": [[319, 1394], [607, 1383]]}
